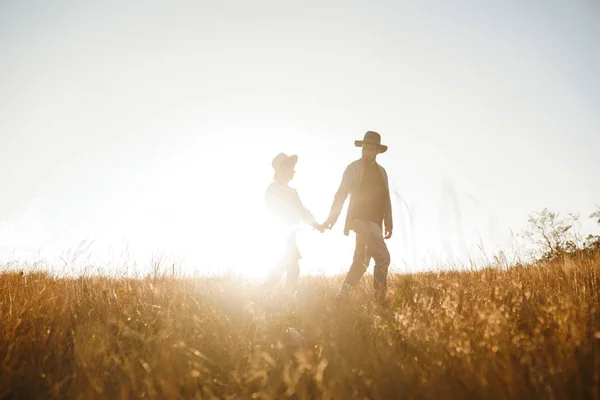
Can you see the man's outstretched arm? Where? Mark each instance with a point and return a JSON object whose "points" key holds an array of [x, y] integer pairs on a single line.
{"points": [[340, 198]]}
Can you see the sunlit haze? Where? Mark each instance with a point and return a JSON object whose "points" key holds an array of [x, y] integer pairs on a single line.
{"points": [[140, 130]]}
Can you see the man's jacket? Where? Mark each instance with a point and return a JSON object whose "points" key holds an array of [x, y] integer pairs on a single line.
{"points": [[351, 180]]}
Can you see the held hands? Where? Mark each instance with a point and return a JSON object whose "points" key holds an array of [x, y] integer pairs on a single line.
{"points": [[319, 227], [328, 224], [324, 226]]}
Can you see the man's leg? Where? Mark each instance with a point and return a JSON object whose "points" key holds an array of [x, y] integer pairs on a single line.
{"points": [[360, 263], [378, 249], [370, 234]]}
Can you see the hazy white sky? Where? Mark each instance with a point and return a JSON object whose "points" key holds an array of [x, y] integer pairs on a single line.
{"points": [[153, 123]]}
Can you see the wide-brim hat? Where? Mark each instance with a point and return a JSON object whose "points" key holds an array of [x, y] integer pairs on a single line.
{"points": [[282, 160], [372, 138]]}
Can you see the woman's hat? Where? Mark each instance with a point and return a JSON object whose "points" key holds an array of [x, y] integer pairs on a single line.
{"points": [[283, 160]]}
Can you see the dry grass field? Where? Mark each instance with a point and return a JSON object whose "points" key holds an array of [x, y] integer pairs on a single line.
{"points": [[498, 333]]}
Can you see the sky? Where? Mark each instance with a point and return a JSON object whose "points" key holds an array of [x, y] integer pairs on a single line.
{"points": [[131, 131]]}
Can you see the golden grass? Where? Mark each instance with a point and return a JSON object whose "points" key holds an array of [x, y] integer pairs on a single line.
{"points": [[524, 332]]}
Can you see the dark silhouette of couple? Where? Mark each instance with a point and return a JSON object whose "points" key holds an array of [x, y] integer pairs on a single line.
{"points": [[369, 216]]}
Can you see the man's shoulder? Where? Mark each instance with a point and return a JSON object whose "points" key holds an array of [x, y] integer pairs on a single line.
{"points": [[353, 165], [356, 164], [381, 167]]}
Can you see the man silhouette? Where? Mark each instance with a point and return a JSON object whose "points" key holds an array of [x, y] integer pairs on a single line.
{"points": [[370, 207]]}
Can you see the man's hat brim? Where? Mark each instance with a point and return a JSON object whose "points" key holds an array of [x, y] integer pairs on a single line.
{"points": [[382, 148]]}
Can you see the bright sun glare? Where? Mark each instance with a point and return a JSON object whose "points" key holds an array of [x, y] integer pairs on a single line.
{"points": [[222, 223], [201, 206]]}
